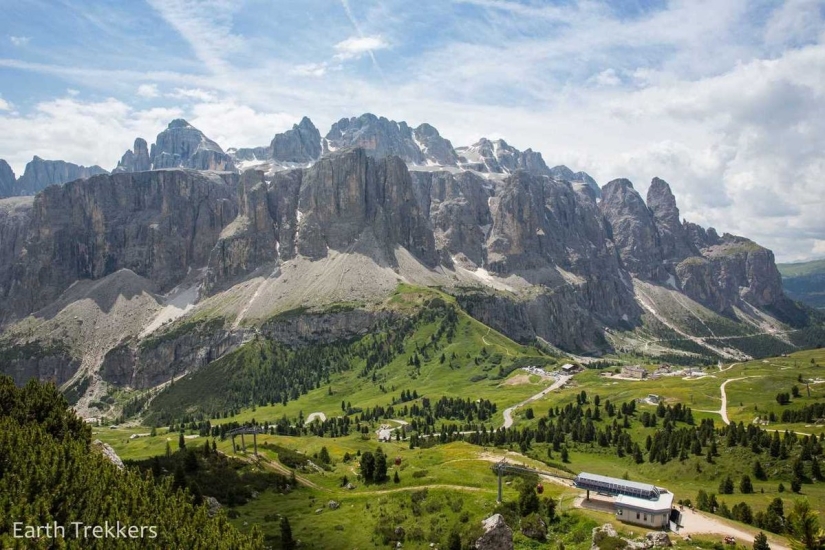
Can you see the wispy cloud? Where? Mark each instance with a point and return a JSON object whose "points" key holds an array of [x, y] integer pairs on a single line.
{"points": [[5, 105], [19, 40], [356, 46], [148, 91], [362, 37]]}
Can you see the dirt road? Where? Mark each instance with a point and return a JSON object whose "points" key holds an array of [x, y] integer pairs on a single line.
{"points": [[508, 413]]}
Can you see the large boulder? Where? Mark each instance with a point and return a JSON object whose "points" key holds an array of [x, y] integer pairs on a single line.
{"points": [[497, 534], [659, 539]]}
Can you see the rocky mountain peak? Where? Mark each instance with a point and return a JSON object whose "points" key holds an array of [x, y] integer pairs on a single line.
{"points": [[435, 148], [676, 245], [634, 228], [661, 201], [136, 159], [41, 173], [179, 123], [378, 136], [183, 145], [7, 180], [301, 144]]}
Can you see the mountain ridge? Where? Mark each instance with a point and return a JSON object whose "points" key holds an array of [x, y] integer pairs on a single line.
{"points": [[193, 262]]}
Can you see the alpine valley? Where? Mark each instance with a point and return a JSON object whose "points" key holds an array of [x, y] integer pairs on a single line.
{"points": [[380, 280]]}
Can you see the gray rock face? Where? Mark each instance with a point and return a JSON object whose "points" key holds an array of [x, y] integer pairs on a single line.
{"points": [[157, 360], [8, 183], [500, 158], [253, 237], [159, 224], [40, 174], [300, 144], [717, 272], [497, 534], [41, 363], [735, 268], [183, 145], [344, 194], [379, 137], [251, 153], [109, 453], [435, 148], [456, 205], [634, 229], [673, 239], [15, 220], [562, 172], [136, 159]]}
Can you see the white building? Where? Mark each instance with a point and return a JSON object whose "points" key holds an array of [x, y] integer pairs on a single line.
{"points": [[641, 511]]}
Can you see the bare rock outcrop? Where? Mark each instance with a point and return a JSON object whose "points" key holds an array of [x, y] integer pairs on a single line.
{"points": [[136, 159], [497, 534], [107, 451]]}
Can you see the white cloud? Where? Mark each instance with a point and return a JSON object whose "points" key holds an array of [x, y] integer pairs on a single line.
{"points": [[148, 91], [356, 46], [607, 77], [20, 41], [78, 131], [196, 94], [311, 69], [795, 22], [4, 105], [232, 124], [72, 92]]}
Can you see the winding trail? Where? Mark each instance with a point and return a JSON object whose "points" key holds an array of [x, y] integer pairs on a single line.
{"points": [[508, 413], [484, 339], [723, 409]]}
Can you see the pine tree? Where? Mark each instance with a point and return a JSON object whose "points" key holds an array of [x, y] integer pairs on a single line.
{"points": [[759, 471], [760, 542], [287, 542], [745, 485], [181, 441]]}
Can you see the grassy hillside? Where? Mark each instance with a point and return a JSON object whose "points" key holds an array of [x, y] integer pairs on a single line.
{"points": [[805, 282], [445, 485], [436, 349]]}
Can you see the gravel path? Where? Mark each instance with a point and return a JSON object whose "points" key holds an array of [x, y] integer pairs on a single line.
{"points": [[508, 413]]}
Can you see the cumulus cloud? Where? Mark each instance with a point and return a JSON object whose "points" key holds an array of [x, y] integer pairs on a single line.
{"points": [[357, 46], [4, 105], [78, 131], [148, 91]]}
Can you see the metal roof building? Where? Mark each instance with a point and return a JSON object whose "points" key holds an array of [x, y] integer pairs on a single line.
{"points": [[615, 486]]}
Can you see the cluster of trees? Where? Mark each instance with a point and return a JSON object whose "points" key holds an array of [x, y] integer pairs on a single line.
{"points": [[801, 523], [374, 466], [807, 414], [48, 461], [264, 372], [205, 472]]}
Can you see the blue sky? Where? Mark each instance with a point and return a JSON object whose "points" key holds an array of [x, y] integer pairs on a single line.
{"points": [[725, 99]]}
